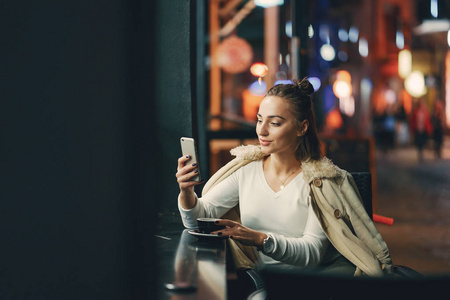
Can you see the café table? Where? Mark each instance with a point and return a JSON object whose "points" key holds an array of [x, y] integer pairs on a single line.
{"points": [[189, 266]]}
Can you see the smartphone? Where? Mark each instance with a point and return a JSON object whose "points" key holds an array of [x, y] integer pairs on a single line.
{"points": [[189, 147]]}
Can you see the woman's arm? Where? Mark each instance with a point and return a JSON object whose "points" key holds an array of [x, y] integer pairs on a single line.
{"points": [[220, 199], [185, 172], [306, 251]]}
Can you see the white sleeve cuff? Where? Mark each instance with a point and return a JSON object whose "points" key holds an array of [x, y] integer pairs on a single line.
{"points": [[189, 216]]}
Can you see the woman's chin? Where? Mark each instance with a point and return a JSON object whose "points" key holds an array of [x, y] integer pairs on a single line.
{"points": [[266, 149]]}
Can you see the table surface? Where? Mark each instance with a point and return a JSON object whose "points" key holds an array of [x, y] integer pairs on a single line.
{"points": [[184, 259]]}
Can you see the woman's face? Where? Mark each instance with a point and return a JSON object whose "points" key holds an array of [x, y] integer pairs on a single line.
{"points": [[276, 126]]}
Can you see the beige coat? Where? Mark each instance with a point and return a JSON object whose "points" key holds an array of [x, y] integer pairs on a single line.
{"points": [[338, 206]]}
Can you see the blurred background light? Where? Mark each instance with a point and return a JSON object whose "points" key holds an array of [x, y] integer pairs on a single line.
{"points": [[288, 29], [234, 55], [404, 63], [434, 8], [268, 3], [324, 33], [448, 38], [334, 119], [431, 26], [390, 96], [363, 47], [415, 84], [250, 103], [447, 88], [316, 83], [283, 81], [347, 105], [353, 34], [400, 40], [259, 69], [343, 56], [366, 90], [288, 60], [342, 89], [310, 31], [327, 52], [343, 35], [258, 88], [344, 75]]}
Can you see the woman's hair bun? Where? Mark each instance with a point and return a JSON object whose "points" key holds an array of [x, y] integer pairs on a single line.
{"points": [[305, 86]]}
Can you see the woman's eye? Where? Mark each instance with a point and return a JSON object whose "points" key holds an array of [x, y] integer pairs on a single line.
{"points": [[275, 124], [258, 121]]}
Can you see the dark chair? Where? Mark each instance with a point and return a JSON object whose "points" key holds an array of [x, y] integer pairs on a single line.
{"points": [[363, 181]]}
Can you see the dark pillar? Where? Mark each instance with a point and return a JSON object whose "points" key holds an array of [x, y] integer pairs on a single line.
{"points": [[173, 103], [79, 183], [300, 23]]}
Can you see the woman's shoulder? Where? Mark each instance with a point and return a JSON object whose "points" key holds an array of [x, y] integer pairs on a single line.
{"points": [[248, 152], [322, 168]]}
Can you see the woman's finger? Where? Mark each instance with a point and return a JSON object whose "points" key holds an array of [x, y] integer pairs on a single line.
{"points": [[182, 161], [186, 174], [227, 222], [188, 184], [186, 169]]}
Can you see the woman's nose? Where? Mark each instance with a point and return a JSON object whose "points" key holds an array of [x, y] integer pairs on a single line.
{"points": [[261, 129]]}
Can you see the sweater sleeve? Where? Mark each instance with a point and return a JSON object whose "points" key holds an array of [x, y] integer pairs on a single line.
{"points": [[220, 199], [306, 251]]}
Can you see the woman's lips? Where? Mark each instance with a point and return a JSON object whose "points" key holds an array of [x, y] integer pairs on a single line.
{"points": [[264, 142]]}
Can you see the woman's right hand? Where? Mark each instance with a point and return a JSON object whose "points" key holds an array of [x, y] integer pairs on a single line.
{"points": [[185, 173]]}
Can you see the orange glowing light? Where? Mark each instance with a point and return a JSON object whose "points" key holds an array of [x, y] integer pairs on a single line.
{"points": [[343, 75], [342, 87], [259, 69], [250, 104], [334, 119]]}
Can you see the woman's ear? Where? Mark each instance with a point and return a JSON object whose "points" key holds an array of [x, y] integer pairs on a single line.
{"points": [[303, 127]]}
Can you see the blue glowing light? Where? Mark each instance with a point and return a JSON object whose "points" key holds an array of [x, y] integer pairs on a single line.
{"points": [[258, 88], [316, 83]]}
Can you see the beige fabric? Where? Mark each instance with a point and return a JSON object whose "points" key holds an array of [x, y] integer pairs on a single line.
{"points": [[338, 206]]}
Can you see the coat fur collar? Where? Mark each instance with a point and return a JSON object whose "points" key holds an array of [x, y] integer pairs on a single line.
{"points": [[322, 168]]}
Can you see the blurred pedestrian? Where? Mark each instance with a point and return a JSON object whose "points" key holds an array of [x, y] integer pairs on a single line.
{"points": [[421, 127], [389, 123], [437, 120]]}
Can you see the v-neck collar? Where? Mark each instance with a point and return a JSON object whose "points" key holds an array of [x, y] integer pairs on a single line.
{"points": [[266, 185]]}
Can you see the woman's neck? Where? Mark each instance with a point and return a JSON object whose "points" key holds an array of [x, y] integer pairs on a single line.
{"points": [[282, 165]]}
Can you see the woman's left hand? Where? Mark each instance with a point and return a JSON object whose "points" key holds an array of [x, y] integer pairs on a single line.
{"points": [[240, 233]]}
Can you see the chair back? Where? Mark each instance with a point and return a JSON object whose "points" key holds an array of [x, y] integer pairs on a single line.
{"points": [[363, 181]]}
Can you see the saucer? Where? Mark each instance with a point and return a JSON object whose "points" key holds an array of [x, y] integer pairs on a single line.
{"points": [[198, 234]]}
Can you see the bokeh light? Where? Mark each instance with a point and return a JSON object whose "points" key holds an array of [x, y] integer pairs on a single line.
{"points": [[316, 83], [327, 52], [258, 88], [415, 84], [259, 69], [404, 63]]}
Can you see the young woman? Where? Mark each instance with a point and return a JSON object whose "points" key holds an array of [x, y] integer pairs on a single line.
{"points": [[296, 207]]}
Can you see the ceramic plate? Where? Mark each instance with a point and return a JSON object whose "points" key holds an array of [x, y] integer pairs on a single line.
{"points": [[198, 234]]}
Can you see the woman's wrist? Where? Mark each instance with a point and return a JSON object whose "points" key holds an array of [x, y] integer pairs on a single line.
{"points": [[187, 199], [261, 238]]}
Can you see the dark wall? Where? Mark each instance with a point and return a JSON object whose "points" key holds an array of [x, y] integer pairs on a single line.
{"points": [[94, 96]]}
